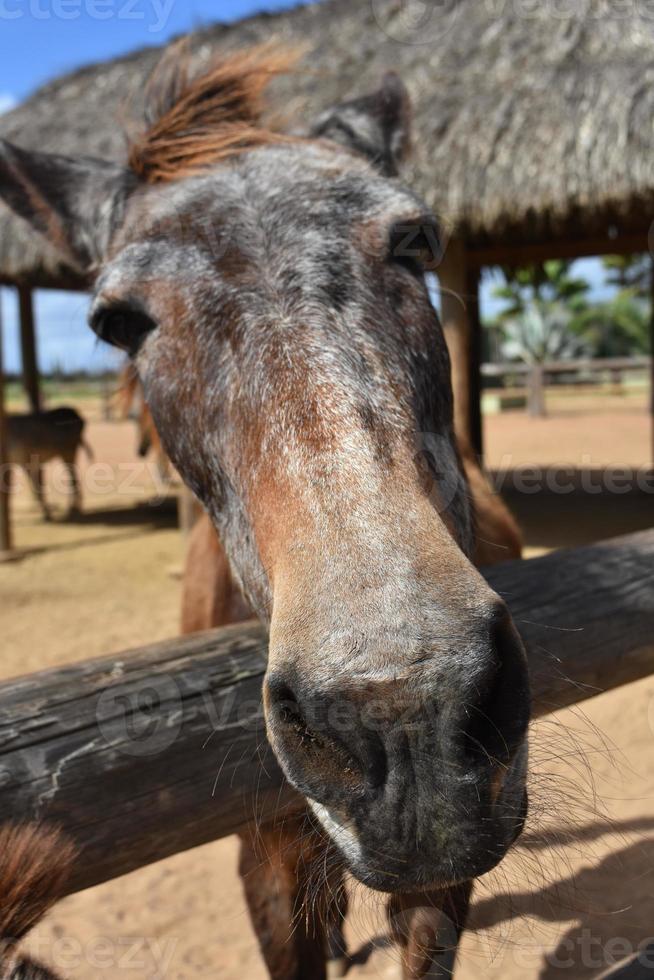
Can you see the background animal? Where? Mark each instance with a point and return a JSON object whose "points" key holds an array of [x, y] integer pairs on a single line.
{"points": [[36, 438]]}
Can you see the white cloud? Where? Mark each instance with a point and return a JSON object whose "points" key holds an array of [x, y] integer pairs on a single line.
{"points": [[7, 102]]}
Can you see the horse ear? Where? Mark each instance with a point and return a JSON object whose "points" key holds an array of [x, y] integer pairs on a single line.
{"points": [[377, 126], [74, 203]]}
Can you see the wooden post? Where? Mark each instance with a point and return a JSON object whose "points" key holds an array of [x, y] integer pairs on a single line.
{"points": [[458, 309], [28, 348], [536, 392], [105, 396], [5, 476], [473, 277], [651, 365]]}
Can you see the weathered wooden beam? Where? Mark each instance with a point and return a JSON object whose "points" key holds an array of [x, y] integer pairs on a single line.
{"points": [[5, 475], [41, 279], [475, 355], [600, 364], [153, 751], [31, 380], [567, 246], [651, 364], [454, 281]]}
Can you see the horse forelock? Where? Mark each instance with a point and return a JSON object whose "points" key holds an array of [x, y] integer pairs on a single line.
{"points": [[193, 123]]}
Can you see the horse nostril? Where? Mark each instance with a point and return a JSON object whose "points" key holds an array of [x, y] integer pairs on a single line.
{"points": [[317, 741], [286, 712], [499, 715]]}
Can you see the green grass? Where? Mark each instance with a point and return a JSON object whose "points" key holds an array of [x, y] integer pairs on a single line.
{"points": [[55, 391]]}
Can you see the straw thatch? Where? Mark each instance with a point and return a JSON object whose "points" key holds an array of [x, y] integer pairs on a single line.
{"points": [[532, 119]]}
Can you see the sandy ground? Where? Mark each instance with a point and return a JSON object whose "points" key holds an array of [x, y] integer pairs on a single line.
{"points": [[617, 435], [574, 896]]}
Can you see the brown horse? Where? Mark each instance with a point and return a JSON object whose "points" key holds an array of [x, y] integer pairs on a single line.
{"points": [[211, 597], [297, 372]]}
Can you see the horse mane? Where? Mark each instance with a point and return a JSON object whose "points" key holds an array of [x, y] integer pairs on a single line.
{"points": [[35, 863], [126, 391], [193, 123]]}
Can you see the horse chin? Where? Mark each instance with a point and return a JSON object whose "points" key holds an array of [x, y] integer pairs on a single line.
{"points": [[424, 871]]}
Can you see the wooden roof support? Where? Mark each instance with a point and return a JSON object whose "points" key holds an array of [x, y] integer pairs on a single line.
{"points": [[473, 278], [459, 283], [514, 254], [651, 366], [28, 348], [5, 473]]}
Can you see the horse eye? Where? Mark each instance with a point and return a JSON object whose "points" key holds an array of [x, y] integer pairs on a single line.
{"points": [[410, 262], [417, 244], [123, 328]]}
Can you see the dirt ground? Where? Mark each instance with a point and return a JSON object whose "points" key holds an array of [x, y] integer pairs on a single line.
{"points": [[578, 892]]}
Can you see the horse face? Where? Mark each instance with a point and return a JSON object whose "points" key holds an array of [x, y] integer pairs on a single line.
{"points": [[276, 311]]}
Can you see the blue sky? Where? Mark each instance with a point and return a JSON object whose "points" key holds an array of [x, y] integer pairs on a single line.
{"points": [[40, 39]]}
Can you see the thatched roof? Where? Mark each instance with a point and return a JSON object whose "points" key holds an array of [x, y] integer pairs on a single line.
{"points": [[527, 124]]}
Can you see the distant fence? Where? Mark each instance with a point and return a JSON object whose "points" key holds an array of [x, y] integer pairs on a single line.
{"points": [[535, 375]]}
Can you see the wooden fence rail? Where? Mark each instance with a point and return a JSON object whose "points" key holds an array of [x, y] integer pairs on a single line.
{"points": [[570, 366], [535, 375], [147, 753]]}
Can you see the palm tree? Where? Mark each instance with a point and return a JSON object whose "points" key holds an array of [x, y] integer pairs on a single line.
{"points": [[616, 328], [629, 273], [544, 282], [542, 302]]}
